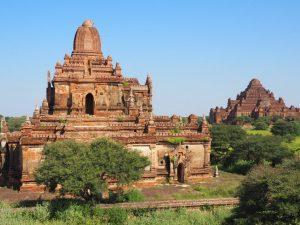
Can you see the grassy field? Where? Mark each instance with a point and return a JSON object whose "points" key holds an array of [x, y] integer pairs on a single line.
{"points": [[85, 214], [294, 145], [259, 132], [221, 187]]}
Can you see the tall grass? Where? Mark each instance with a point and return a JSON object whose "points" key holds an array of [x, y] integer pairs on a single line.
{"points": [[84, 214], [213, 216]]}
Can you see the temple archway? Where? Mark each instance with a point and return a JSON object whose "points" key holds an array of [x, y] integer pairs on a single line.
{"points": [[89, 104]]}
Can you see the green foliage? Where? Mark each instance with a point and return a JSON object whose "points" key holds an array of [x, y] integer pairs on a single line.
{"points": [[85, 214], [293, 145], [205, 139], [176, 140], [106, 154], [257, 149], [270, 195], [117, 216], [83, 170], [240, 166], [259, 132], [120, 119], [260, 125], [184, 120], [224, 140], [212, 216], [70, 164], [132, 195], [283, 128], [63, 121], [217, 191], [15, 123], [275, 118], [176, 130], [125, 84]]}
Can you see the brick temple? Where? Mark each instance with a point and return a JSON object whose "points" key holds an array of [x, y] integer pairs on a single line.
{"points": [[89, 97], [255, 102]]}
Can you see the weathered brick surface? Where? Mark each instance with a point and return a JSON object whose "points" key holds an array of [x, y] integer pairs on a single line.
{"points": [[255, 102], [88, 98]]}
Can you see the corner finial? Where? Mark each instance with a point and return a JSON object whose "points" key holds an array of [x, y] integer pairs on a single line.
{"points": [[49, 76]]}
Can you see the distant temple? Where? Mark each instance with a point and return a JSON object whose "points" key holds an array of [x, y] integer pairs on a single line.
{"points": [[88, 98], [254, 102]]}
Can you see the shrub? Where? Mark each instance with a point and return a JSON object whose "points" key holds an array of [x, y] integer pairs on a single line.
{"points": [[132, 195], [176, 140], [260, 125], [241, 166], [74, 214], [116, 216], [205, 139], [257, 148], [269, 196], [283, 128]]}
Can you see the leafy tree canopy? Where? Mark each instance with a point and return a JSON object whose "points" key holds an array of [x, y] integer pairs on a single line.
{"points": [[269, 195], [14, 123], [257, 148], [224, 140], [284, 128], [84, 170]]}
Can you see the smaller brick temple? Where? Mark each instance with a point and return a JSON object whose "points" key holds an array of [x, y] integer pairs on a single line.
{"points": [[254, 102], [88, 98]]}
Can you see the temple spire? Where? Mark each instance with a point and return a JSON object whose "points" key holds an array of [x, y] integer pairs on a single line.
{"points": [[49, 77]]}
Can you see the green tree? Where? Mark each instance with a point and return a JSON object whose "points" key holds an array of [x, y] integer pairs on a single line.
{"points": [[269, 195], [84, 170], [15, 123], [262, 123], [257, 149], [117, 162], [284, 128], [224, 139], [69, 164]]}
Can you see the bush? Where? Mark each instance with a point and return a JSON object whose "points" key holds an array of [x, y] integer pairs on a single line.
{"points": [[116, 216], [133, 195], [260, 125], [269, 196], [241, 166], [283, 128], [176, 140], [257, 149]]}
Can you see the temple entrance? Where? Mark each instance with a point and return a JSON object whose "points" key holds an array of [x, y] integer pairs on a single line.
{"points": [[89, 104], [180, 173]]}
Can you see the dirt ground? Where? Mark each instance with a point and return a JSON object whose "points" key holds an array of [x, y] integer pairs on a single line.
{"points": [[159, 192]]}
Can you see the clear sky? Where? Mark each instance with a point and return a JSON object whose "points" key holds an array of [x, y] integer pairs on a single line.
{"points": [[199, 53]]}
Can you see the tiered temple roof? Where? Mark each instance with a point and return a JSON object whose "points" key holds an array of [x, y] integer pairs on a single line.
{"points": [[255, 101]]}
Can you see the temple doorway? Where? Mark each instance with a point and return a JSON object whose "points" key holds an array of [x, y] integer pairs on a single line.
{"points": [[89, 104], [180, 173]]}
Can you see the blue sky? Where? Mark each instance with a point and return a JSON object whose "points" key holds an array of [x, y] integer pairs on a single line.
{"points": [[199, 53]]}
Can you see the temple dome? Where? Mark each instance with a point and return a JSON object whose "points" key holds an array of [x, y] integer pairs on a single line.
{"points": [[87, 39]]}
